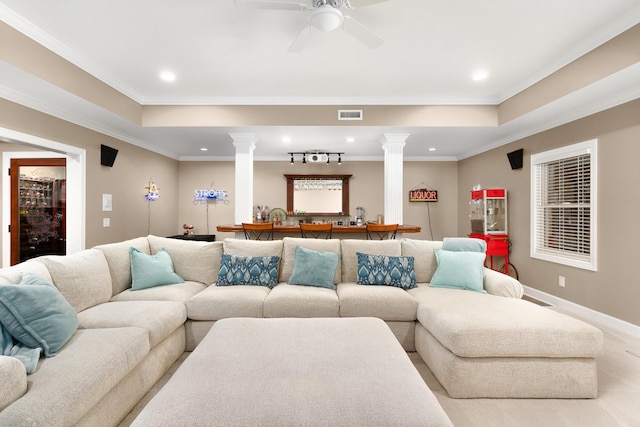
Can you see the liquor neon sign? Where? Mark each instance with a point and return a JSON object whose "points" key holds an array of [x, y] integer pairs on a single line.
{"points": [[423, 195]]}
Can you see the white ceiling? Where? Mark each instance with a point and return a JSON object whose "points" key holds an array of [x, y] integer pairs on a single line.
{"points": [[224, 55]]}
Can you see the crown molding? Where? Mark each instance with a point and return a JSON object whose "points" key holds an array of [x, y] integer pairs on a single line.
{"points": [[577, 50], [35, 33], [626, 92], [50, 109]]}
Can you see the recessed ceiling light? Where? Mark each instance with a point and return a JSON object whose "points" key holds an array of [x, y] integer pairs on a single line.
{"points": [[432, 149], [167, 76], [480, 75], [286, 139], [204, 149], [350, 139]]}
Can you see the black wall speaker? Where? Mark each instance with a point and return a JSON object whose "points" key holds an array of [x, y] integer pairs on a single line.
{"points": [[107, 155], [515, 159]]}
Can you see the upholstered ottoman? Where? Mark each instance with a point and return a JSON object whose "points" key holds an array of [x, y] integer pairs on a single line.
{"points": [[296, 372], [480, 345]]}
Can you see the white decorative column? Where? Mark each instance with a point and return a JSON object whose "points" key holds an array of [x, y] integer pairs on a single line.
{"points": [[245, 143], [393, 144]]}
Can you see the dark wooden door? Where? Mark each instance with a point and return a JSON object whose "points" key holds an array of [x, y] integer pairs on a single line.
{"points": [[38, 208]]}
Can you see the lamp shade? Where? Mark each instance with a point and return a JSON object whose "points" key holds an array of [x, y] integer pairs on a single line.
{"points": [[326, 18]]}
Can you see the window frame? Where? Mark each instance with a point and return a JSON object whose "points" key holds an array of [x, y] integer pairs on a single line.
{"points": [[587, 261]]}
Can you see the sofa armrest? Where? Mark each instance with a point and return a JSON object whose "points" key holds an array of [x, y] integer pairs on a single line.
{"points": [[13, 378], [496, 283]]}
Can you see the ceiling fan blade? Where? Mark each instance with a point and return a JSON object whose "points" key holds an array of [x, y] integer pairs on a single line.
{"points": [[270, 4], [356, 4], [361, 33], [301, 41]]}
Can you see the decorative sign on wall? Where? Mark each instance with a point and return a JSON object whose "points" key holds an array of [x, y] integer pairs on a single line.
{"points": [[153, 192], [423, 195], [207, 196]]}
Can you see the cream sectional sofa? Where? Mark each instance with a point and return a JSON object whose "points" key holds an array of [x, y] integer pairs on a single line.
{"points": [[489, 344]]}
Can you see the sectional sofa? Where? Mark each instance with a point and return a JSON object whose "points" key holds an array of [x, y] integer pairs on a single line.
{"points": [[132, 322]]}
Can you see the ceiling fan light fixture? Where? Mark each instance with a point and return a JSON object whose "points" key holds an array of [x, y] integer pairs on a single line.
{"points": [[326, 18]]}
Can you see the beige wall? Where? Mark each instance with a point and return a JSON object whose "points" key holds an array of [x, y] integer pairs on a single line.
{"points": [[366, 190], [126, 180], [613, 289]]}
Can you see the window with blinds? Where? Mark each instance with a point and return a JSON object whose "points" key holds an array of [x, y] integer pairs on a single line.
{"points": [[563, 192]]}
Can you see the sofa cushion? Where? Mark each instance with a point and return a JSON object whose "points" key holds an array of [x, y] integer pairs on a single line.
{"points": [[496, 283], [424, 260], [384, 302], [83, 278], [459, 270], [158, 318], [289, 254], [248, 270], [464, 244], [243, 247], [349, 248], [13, 274], [386, 270], [36, 314], [301, 301], [221, 302], [179, 292], [471, 324], [13, 378], [193, 260], [314, 268], [119, 260], [148, 271], [64, 388]]}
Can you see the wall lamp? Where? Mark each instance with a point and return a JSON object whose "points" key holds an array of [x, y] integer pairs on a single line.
{"points": [[314, 156]]}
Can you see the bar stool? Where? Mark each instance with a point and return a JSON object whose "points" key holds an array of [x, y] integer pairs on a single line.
{"points": [[258, 231], [316, 231], [381, 231]]}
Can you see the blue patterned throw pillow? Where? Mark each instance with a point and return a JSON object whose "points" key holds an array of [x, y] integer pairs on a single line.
{"points": [[386, 270], [242, 270]]}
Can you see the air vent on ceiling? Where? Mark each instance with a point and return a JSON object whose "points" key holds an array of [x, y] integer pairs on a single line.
{"points": [[349, 114]]}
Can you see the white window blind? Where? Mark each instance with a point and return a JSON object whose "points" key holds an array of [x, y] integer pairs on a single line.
{"points": [[563, 205]]}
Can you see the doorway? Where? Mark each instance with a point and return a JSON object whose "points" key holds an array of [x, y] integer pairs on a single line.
{"points": [[76, 186], [38, 208]]}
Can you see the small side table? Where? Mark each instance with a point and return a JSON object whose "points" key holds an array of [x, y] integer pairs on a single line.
{"points": [[196, 237]]}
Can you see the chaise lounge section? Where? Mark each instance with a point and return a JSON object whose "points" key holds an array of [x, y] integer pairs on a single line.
{"points": [[477, 344]]}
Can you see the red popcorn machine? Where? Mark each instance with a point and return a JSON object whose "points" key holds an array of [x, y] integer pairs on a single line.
{"points": [[489, 222]]}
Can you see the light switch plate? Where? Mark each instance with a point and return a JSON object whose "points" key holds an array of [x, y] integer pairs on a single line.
{"points": [[107, 200], [106, 222]]}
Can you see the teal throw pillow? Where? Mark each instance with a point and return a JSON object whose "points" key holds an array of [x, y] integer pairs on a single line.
{"points": [[243, 270], [386, 270], [148, 271], [314, 268], [464, 244], [36, 314], [459, 270]]}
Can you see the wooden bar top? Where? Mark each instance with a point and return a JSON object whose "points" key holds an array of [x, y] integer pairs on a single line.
{"points": [[336, 228]]}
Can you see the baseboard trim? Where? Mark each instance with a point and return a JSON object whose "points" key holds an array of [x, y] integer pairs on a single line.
{"points": [[584, 312]]}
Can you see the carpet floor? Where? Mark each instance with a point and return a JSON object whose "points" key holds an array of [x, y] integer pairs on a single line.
{"points": [[617, 404]]}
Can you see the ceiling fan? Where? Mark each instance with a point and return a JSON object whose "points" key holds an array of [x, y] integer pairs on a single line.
{"points": [[325, 15]]}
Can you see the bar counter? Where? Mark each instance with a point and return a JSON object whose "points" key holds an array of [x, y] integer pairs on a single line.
{"points": [[237, 228]]}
